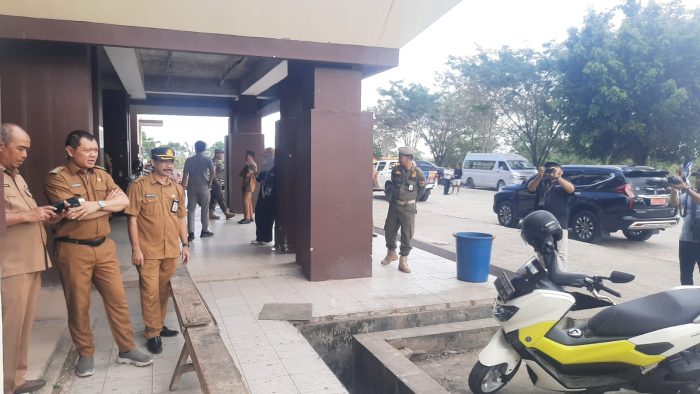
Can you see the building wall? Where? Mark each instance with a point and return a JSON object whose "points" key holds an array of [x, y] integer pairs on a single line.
{"points": [[47, 90]]}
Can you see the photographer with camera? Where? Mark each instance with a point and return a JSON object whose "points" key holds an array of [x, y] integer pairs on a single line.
{"points": [[553, 193], [687, 199]]}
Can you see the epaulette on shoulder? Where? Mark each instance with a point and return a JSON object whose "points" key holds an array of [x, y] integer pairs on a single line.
{"points": [[101, 168], [57, 170]]}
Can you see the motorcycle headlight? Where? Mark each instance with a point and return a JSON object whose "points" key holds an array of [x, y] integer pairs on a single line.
{"points": [[504, 312]]}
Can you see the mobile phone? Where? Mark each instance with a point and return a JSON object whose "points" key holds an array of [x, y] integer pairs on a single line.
{"points": [[71, 202]]}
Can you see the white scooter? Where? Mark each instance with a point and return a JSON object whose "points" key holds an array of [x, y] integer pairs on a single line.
{"points": [[649, 344]]}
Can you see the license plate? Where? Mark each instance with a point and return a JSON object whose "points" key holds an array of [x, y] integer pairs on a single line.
{"points": [[658, 201]]}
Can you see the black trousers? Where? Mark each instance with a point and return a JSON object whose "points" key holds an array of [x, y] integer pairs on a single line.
{"points": [[447, 183], [217, 196], [689, 256], [264, 218]]}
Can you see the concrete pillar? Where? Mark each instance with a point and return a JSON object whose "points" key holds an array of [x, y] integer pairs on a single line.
{"points": [[334, 202], [245, 133]]}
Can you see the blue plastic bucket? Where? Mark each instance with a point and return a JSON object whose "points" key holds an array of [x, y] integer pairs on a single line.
{"points": [[473, 256]]}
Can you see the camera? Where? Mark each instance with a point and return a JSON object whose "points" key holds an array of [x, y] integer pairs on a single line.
{"points": [[71, 202], [549, 171], [674, 180]]}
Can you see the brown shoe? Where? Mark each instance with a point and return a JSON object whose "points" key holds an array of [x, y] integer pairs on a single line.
{"points": [[30, 386], [229, 215], [403, 265], [213, 216], [390, 256]]}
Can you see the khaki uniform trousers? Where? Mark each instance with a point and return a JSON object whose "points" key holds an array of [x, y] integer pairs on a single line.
{"points": [[154, 285], [81, 266], [19, 296], [403, 216], [247, 205]]}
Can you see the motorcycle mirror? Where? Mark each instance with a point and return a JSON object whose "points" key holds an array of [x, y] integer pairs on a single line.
{"points": [[620, 277]]}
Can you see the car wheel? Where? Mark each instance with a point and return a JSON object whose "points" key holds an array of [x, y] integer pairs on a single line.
{"points": [[425, 195], [585, 227], [469, 183], [506, 214], [388, 190], [637, 235], [500, 185]]}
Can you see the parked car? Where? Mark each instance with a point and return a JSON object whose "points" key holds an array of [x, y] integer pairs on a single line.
{"points": [[495, 170], [607, 199], [383, 179], [427, 166]]}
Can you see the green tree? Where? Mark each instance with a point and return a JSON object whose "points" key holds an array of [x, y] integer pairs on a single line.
{"points": [[518, 89], [147, 143], [217, 145], [633, 92]]}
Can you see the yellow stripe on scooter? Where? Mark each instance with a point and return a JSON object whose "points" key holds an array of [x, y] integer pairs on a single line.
{"points": [[621, 351]]}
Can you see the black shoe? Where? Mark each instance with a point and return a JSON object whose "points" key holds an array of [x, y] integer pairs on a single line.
{"points": [[30, 386], [205, 234], [166, 332], [243, 221], [190, 237], [155, 345]]}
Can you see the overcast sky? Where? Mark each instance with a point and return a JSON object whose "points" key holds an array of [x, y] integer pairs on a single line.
{"points": [[489, 24]]}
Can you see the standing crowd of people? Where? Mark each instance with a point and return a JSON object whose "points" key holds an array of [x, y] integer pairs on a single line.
{"points": [[82, 196]]}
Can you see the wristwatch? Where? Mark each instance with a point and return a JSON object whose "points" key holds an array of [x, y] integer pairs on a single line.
{"points": [[185, 245], [101, 204]]}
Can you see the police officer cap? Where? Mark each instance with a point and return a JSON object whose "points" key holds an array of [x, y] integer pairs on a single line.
{"points": [[406, 151], [217, 151], [162, 153]]}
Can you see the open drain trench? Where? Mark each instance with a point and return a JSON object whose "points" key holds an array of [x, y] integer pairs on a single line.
{"points": [[361, 349]]}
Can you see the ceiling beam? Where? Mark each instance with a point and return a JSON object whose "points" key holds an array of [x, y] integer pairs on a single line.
{"points": [[265, 76], [126, 63], [185, 86]]}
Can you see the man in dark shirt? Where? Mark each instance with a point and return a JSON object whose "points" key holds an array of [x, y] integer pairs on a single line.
{"points": [[198, 176], [553, 193]]}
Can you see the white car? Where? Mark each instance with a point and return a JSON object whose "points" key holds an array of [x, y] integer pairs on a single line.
{"points": [[382, 181], [495, 170]]}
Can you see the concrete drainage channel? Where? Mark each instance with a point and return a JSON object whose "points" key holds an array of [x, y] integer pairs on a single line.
{"points": [[373, 352]]}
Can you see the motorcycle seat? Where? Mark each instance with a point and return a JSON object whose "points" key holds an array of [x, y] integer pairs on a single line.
{"points": [[651, 313]]}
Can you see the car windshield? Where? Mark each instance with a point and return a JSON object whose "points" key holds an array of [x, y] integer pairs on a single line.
{"points": [[520, 165]]}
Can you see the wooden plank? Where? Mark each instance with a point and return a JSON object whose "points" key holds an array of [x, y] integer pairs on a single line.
{"points": [[189, 304], [215, 368]]}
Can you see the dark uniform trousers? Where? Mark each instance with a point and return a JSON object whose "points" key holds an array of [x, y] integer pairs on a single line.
{"points": [[403, 216], [81, 265], [19, 296], [154, 286]]}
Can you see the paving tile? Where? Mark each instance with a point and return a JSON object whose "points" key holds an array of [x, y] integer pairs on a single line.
{"points": [[188, 384], [278, 338], [295, 350], [255, 355], [319, 381], [234, 310], [132, 385], [249, 341], [127, 371], [263, 370], [306, 364], [277, 385], [165, 365], [90, 385]]}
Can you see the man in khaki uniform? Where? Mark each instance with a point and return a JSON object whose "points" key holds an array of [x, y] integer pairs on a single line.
{"points": [[85, 255], [408, 187], [22, 259], [157, 225]]}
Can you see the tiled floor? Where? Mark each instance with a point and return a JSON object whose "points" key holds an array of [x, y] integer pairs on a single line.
{"points": [[272, 355]]}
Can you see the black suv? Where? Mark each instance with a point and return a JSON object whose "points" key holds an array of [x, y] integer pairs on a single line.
{"points": [[635, 200]]}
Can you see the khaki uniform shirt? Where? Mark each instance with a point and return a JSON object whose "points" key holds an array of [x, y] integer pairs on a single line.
{"points": [[23, 249], [153, 204], [408, 184], [93, 185]]}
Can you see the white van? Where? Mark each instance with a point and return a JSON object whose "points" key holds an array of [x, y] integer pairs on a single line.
{"points": [[495, 170]]}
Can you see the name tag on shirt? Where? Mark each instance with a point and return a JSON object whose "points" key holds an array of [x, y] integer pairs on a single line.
{"points": [[410, 188], [175, 206], [76, 185]]}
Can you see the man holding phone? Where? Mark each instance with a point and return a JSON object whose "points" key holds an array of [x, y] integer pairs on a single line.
{"points": [[22, 260], [553, 193], [157, 226], [85, 254]]}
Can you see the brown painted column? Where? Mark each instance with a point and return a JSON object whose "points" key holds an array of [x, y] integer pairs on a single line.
{"points": [[245, 133], [334, 203]]}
